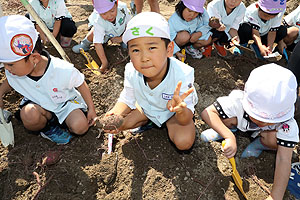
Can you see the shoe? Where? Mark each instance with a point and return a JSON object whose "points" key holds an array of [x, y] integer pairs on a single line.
{"points": [[65, 41], [57, 135], [195, 53], [84, 44], [254, 149], [238, 51], [255, 48], [207, 51], [221, 50], [212, 135], [143, 128]]}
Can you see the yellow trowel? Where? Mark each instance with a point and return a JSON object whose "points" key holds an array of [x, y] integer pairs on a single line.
{"points": [[235, 174], [91, 63], [183, 53]]}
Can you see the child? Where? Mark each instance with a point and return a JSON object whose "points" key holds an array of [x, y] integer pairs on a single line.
{"points": [[47, 83], [262, 23], [150, 81], [110, 25], [292, 23], [57, 18], [189, 27], [230, 14], [266, 106]]}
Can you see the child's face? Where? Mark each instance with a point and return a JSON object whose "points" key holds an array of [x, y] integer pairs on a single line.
{"points": [[149, 55], [231, 4], [189, 15], [265, 16], [111, 14], [260, 123], [19, 68]]}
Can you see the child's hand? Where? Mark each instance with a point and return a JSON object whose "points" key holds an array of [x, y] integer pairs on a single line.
{"points": [[235, 40], [264, 51], [230, 148], [91, 117], [195, 37], [180, 56], [221, 28], [104, 67], [116, 40], [176, 104]]}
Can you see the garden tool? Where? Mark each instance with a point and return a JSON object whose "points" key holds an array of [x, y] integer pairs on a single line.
{"points": [[183, 53], [235, 174], [6, 130], [91, 63], [241, 47]]}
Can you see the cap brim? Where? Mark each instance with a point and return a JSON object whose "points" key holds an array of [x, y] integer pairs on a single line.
{"points": [[283, 118], [195, 8]]}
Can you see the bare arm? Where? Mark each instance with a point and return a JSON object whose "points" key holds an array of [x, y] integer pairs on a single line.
{"points": [[257, 40], [86, 94], [211, 116], [271, 39], [282, 172], [4, 88], [101, 55]]}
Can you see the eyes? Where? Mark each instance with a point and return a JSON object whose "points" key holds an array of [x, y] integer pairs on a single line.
{"points": [[136, 50]]}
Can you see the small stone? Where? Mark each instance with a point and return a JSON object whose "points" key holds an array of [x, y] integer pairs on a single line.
{"points": [[188, 173], [185, 178]]}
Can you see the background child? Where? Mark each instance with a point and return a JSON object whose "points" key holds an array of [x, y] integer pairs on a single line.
{"points": [[47, 83], [230, 14], [189, 27], [161, 85], [110, 25], [57, 18], [292, 23], [262, 23], [266, 106]]}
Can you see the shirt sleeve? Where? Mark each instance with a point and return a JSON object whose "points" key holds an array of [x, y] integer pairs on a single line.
{"points": [[76, 78], [277, 21], [212, 10], [204, 28], [239, 18], [288, 134], [99, 32], [61, 10], [228, 106], [127, 95], [173, 33]]}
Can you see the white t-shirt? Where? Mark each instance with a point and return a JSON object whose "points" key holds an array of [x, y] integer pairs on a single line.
{"points": [[293, 19], [231, 106], [104, 30], [55, 90], [154, 101], [55, 10], [216, 8], [252, 17]]}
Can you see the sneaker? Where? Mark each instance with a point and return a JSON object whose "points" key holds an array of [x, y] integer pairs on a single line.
{"points": [[255, 48], [254, 149], [65, 41], [143, 128], [221, 50], [195, 53], [57, 135], [84, 44], [207, 51], [212, 135]]}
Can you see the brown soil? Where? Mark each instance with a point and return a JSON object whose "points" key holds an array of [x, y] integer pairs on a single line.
{"points": [[143, 166]]}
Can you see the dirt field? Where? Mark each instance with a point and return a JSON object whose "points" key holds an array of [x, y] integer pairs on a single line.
{"points": [[143, 166]]}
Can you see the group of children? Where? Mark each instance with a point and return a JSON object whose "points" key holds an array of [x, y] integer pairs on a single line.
{"points": [[158, 87]]}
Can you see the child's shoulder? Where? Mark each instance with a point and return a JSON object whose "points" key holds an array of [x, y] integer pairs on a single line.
{"points": [[181, 68], [60, 64], [215, 3]]}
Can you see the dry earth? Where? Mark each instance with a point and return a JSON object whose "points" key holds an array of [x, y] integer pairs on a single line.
{"points": [[144, 166]]}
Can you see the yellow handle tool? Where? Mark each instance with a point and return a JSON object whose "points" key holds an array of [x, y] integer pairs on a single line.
{"points": [[235, 174], [183, 53], [91, 63]]}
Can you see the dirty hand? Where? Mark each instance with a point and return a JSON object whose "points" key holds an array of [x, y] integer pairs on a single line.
{"points": [[176, 104], [221, 28], [104, 67], [116, 40], [264, 51], [91, 117], [230, 148], [235, 40]]}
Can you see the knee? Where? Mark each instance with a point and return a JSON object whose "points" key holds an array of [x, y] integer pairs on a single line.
{"points": [[184, 143], [30, 114], [182, 38], [79, 127]]}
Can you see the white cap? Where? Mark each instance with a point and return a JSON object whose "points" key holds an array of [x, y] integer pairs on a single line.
{"points": [[146, 24], [270, 94], [17, 38]]}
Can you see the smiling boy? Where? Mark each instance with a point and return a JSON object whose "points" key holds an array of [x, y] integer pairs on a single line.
{"points": [[161, 85]]}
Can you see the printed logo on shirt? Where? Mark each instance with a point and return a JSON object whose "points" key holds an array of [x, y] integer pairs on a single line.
{"points": [[285, 127], [167, 96], [122, 19], [21, 45]]}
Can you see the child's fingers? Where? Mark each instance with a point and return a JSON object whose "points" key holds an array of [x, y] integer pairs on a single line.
{"points": [[177, 89], [187, 93]]}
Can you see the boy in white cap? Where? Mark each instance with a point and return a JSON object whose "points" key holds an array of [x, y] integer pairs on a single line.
{"points": [[189, 27], [111, 21], [57, 18], [262, 23], [292, 23], [266, 106], [161, 85], [48, 84]]}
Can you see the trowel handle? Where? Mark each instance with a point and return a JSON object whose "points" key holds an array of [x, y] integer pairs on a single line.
{"points": [[231, 160]]}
